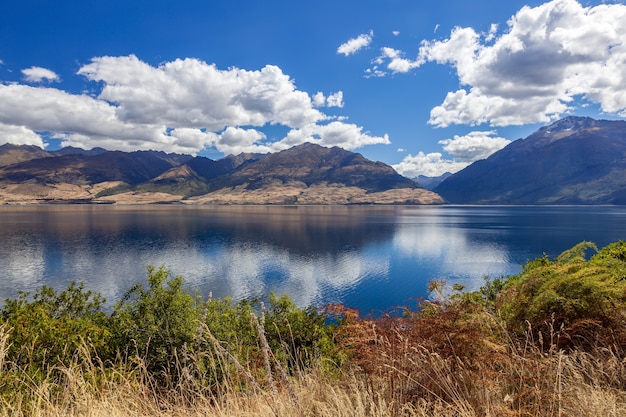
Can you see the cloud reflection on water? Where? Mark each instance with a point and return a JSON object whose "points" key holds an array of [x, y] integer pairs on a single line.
{"points": [[459, 253], [371, 258], [312, 254]]}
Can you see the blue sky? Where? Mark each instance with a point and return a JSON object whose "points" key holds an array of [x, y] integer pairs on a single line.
{"points": [[427, 87]]}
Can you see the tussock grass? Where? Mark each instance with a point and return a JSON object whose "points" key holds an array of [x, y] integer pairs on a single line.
{"points": [[403, 377]]}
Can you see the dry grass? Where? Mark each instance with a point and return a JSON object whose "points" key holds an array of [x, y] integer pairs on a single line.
{"points": [[450, 362]]}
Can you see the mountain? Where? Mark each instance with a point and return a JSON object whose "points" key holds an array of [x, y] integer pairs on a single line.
{"points": [[576, 160], [305, 174], [14, 154], [80, 169], [431, 182], [314, 164], [313, 174], [193, 177], [71, 150]]}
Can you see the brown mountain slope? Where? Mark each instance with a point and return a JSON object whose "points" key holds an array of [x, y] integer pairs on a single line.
{"points": [[313, 164], [14, 154], [313, 174], [305, 174]]}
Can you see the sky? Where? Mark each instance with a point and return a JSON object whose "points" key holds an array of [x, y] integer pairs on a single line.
{"points": [[427, 87]]}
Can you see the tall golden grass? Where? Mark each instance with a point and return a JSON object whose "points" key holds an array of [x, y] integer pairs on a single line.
{"points": [[447, 363]]}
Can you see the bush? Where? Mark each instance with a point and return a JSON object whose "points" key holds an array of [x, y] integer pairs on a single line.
{"points": [[48, 328], [157, 323], [569, 297], [301, 335]]}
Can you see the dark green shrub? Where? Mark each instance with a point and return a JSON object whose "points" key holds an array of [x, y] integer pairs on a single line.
{"points": [[301, 335], [48, 328], [569, 294], [158, 323]]}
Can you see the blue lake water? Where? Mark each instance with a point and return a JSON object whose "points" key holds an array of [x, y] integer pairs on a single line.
{"points": [[370, 258]]}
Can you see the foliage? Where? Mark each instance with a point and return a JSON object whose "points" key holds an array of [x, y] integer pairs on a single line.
{"points": [[570, 294], [157, 323], [301, 335], [50, 327]]}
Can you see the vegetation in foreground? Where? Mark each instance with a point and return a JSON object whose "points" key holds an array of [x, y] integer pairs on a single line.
{"points": [[550, 341]]}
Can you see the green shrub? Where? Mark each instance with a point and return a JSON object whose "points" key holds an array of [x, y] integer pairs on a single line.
{"points": [[301, 335], [569, 293], [161, 327], [48, 328], [158, 323]]}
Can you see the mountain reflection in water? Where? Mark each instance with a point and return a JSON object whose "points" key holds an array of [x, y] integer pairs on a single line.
{"points": [[371, 258]]}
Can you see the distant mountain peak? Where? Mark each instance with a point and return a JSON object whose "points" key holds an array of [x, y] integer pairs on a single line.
{"points": [[576, 160], [571, 123]]}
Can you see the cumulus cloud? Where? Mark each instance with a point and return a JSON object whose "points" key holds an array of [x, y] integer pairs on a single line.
{"points": [[431, 165], [236, 140], [192, 93], [39, 74], [463, 149], [333, 100], [354, 45], [473, 146], [396, 61], [181, 106], [20, 135], [336, 133], [534, 70]]}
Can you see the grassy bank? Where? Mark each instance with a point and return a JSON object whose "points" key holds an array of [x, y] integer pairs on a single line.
{"points": [[550, 341]]}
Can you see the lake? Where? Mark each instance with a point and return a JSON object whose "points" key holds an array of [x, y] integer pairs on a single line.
{"points": [[367, 257]]}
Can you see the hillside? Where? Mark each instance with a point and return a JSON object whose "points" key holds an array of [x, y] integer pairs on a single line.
{"points": [[573, 161], [14, 154], [305, 174]]}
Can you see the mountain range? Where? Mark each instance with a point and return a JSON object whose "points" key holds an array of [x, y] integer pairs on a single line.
{"points": [[304, 174], [576, 160]]}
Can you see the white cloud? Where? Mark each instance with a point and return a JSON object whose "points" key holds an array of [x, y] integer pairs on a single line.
{"points": [[333, 100], [192, 93], [464, 150], [336, 133], [396, 33], [80, 120], [431, 165], [473, 146], [19, 135], [39, 74], [319, 100], [395, 62], [181, 106], [354, 45], [534, 71], [491, 35], [235, 140], [375, 71]]}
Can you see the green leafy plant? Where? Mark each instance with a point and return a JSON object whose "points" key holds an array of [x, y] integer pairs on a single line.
{"points": [[157, 323], [300, 334], [571, 293], [48, 328]]}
